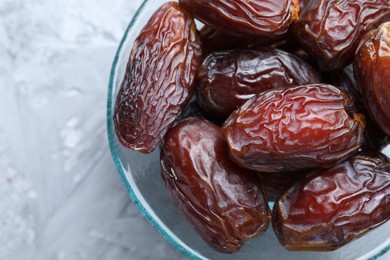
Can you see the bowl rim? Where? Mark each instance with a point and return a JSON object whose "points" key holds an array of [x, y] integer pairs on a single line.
{"points": [[115, 155]]}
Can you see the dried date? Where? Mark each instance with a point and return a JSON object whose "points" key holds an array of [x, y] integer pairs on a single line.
{"points": [[372, 70], [192, 109], [292, 47], [229, 78], [334, 206], [344, 79], [296, 128], [266, 18], [159, 78], [224, 202], [277, 183], [331, 29], [214, 40]]}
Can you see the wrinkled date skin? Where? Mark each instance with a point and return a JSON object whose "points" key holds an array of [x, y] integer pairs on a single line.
{"points": [[296, 128], [258, 18], [331, 29], [224, 202], [159, 78], [372, 71], [229, 78], [334, 206]]}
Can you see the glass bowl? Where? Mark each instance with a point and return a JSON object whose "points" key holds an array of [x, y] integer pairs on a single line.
{"points": [[140, 174]]}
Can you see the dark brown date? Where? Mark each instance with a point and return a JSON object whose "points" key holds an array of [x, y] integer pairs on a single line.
{"points": [[334, 206], [260, 18], [192, 109], [292, 47], [214, 40], [331, 29], [344, 79], [277, 183], [374, 136], [296, 128], [227, 79], [159, 78], [224, 202], [372, 71]]}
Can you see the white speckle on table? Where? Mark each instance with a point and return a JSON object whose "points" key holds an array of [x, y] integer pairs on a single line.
{"points": [[60, 195]]}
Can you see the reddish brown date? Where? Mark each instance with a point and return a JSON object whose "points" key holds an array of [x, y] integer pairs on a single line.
{"points": [[227, 79], [159, 78], [331, 29], [296, 128], [223, 202], [334, 206], [259, 18], [372, 70]]}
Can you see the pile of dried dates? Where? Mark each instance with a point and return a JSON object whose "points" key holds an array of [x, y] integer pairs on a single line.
{"points": [[285, 101]]}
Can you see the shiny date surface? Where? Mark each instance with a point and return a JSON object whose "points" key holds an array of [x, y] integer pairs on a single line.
{"points": [[159, 78], [331, 29], [229, 78], [372, 71], [334, 206], [224, 202], [296, 128], [265, 18]]}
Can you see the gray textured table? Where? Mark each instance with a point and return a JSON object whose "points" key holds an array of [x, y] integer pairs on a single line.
{"points": [[60, 195]]}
